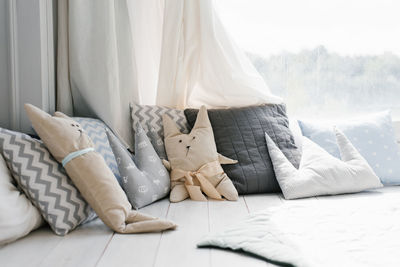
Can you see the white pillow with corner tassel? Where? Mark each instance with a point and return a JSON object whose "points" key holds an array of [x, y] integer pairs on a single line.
{"points": [[320, 173]]}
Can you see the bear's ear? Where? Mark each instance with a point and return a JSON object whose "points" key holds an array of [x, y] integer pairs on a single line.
{"points": [[170, 128], [202, 120]]}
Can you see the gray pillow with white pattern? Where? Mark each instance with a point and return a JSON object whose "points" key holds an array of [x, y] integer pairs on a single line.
{"points": [[150, 117], [44, 181], [144, 177]]}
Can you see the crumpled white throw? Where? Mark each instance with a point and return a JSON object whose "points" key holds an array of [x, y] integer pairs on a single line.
{"points": [[349, 230]]}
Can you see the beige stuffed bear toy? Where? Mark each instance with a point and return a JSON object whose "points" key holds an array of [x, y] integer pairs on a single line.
{"points": [[194, 162], [72, 147]]}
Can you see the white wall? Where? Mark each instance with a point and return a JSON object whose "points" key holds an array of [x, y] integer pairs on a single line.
{"points": [[26, 60]]}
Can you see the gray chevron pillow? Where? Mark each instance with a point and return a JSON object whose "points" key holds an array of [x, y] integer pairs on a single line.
{"points": [[150, 117], [44, 181], [144, 177], [96, 129]]}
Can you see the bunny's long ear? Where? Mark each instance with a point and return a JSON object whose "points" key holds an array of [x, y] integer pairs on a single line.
{"points": [[170, 128], [202, 120], [61, 115], [35, 114]]}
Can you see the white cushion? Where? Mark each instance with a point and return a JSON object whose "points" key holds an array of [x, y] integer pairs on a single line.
{"points": [[296, 131], [320, 173], [18, 216]]}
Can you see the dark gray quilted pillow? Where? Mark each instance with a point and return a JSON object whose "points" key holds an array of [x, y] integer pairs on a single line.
{"points": [[240, 134]]}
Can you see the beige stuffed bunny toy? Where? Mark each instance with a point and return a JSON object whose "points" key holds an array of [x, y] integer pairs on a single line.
{"points": [[72, 147], [194, 162]]}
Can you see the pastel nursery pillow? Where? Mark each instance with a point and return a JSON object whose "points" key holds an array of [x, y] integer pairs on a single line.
{"points": [[150, 117], [44, 181], [144, 177], [240, 134], [373, 136], [195, 163], [72, 147], [96, 129], [320, 173], [18, 217]]}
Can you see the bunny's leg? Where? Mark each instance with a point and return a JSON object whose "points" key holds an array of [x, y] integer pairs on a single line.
{"points": [[226, 188], [137, 222]]}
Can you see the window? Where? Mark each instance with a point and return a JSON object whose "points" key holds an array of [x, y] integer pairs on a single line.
{"points": [[325, 58]]}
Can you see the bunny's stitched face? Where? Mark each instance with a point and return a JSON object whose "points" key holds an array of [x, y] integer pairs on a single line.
{"points": [[190, 151], [70, 134], [61, 134]]}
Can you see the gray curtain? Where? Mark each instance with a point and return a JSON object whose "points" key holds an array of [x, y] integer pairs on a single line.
{"points": [[96, 71]]}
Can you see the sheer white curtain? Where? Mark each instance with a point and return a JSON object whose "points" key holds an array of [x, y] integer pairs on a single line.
{"points": [[201, 64], [107, 58], [173, 53]]}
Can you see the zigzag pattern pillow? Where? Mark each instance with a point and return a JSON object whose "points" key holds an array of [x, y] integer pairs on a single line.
{"points": [[44, 181], [96, 131], [150, 117]]}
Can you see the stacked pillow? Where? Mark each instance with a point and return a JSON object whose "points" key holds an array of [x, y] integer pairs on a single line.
{"points": [[72, 147], [144, 177], [240, 135], [96, 129], [372, 136], [44, 182], [150, 117], [320, 173]]}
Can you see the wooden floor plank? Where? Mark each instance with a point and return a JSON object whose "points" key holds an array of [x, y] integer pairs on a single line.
{"points": [[135, 250], [178, 248], [95, 243], [30, 250], [82, 247], [262, 201], [222, 214]]}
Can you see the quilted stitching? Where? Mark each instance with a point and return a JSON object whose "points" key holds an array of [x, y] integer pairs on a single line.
{"points": [[239, 134]]}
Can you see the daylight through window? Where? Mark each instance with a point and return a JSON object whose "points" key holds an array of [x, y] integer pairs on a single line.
{"points": [[325, 58]]}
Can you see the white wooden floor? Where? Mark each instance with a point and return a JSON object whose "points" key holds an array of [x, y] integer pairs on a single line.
{"points": [[94, 244]]}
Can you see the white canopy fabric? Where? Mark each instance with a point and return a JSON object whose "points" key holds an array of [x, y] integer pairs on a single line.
{"points": [[96, 63], [172, 53], [201, 64]]}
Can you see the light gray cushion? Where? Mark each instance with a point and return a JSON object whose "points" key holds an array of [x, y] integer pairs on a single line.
{"points": [[144, 177], [373, 136], [96, 129], [157, 141], [240, 134], [44, 181], [296, 131], [150, 117], [321, 173]]}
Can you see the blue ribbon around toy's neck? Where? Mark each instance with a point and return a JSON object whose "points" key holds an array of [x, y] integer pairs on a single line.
{"points": [[75, 154]]}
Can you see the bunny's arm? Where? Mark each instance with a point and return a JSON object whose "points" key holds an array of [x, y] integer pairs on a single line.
{"points": [[167, 165], [225, 160]]}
